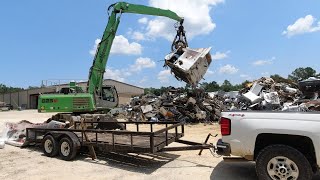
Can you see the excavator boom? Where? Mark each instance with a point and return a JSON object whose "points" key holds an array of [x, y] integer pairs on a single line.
{"points": [[97, 96], [99, 63]]}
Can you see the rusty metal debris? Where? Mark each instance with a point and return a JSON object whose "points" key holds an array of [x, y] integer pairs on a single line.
{"points": [[176, 104]]}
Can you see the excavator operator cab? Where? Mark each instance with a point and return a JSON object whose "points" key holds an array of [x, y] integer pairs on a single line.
{"points": [[107, 98]]}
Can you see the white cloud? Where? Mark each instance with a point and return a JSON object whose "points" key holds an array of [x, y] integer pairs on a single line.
{"points": [[142, 63], [95, 46], [138, 36], [246, 76], [115, 74], [164, 75], [209, 72], [196, 14], [120, 45], [124, 73], [143, 20], [144, 79], [301, 26], [219, 55], [228, 69], [263, 62]]}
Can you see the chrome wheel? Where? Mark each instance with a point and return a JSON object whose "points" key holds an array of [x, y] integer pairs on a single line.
{"points": [[65, 148], [282, 168]]}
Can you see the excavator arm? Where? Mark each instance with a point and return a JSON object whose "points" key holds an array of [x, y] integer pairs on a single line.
{"points": [[103, 50], [123, 7]]}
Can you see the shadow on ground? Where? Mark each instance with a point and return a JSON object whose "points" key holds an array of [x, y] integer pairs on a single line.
{"points": [[238, 171], [234, 171], [145, 163]]}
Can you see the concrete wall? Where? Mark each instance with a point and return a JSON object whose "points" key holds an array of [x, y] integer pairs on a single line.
{"points": [[1, 97], [15, 100], [27, 98], [124, 88], [23, 100], [7, 98], [124, 98]]}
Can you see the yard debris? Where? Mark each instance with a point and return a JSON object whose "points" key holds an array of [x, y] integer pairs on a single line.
{"points": [[178, 105], [189, 65], [15, 133], [198, 106], [266, 94], [5, 107]]}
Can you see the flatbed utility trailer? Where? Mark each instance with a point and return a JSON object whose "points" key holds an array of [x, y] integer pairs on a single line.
{"points": [[68, 142]]}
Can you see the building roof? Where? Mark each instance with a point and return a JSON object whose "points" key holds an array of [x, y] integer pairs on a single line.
{"points": [[123, 83]]}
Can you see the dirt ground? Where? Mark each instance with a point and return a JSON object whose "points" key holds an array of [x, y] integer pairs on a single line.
{"points": [[30, 163]]}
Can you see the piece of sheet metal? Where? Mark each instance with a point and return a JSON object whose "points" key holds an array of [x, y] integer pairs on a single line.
{"points": [[191, 65]]}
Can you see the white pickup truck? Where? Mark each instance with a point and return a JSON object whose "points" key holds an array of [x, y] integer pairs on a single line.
{"points": [[284, 145]]}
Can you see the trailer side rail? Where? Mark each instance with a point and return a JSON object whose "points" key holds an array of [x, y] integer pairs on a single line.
{"points": [[120, 140]]}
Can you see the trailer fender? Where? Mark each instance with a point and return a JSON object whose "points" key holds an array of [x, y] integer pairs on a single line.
{"points": [[57, 135]]}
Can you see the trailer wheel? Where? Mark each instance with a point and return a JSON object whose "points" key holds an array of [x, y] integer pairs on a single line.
{"points": [[50, 147], [67, 148]]}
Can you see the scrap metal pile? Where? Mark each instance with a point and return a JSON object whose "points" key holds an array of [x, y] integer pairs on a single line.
{"points": [[198, 106], [176, 104], [15, 133], [266, 94]]}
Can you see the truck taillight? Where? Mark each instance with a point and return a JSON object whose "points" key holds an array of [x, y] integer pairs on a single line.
{"points": [[225, 125]]}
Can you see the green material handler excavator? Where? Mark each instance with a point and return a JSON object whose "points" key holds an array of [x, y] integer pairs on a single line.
{"points": [[98, 97]]}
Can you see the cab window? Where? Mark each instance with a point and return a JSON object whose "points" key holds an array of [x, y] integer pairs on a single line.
{"points": [[107, 94]]}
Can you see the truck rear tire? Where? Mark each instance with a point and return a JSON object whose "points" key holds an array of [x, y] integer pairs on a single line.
{"points": [[282, 162], [50, 146], [67, 149]]}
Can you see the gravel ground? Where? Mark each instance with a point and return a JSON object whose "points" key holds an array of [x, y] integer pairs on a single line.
{"points": [[30, 163]]}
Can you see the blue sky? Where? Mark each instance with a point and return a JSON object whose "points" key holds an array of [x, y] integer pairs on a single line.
{"points": [[42, 40]]}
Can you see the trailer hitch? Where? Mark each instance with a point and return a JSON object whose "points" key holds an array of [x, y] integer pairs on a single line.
{"points": [[206, 141], [192, 145]]}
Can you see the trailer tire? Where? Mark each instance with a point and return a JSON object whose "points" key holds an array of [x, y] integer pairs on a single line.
{"points": [[67, 149], [282, 162], [50, 146]]}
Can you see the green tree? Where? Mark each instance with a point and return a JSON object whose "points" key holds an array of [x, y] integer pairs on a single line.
{"points": [[9, 89], [210, 87], [155, 91], [302, 73], [226, 86]]}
